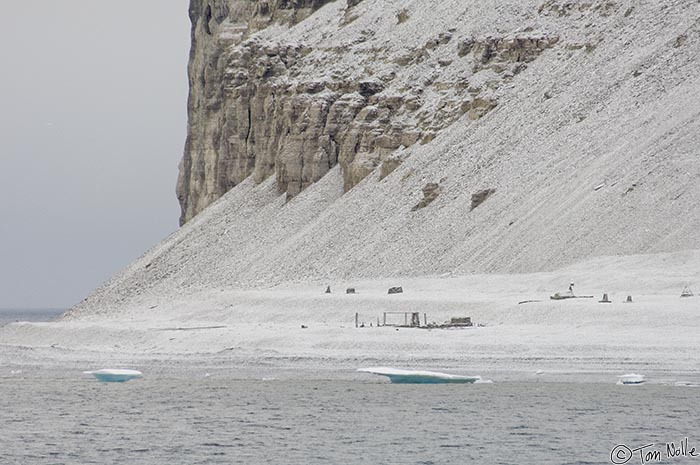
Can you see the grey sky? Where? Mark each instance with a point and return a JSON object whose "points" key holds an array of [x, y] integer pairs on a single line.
{"points": [[92, 126]]}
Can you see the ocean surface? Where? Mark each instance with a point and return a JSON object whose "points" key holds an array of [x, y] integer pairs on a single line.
{"points": [[11, 315], [176, 416], [211, 420]]}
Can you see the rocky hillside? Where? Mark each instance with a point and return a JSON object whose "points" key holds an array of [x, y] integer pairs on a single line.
{"points": [[349, 86], [347, 139]]}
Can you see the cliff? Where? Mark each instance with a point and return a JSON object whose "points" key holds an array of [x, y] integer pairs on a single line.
{"points": [[268, 101], [336, 141]]}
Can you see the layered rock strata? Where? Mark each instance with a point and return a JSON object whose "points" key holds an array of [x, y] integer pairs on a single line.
{"points": [[263, 105]]}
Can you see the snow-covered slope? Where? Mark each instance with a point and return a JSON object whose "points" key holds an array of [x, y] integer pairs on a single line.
{"points": [[298, 326], [592, 150]]}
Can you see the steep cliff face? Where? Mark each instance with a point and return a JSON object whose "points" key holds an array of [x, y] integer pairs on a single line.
{"points": [[220, 150], [271, 99]]}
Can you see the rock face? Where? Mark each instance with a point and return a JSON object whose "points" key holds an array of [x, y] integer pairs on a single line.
{"points": [[268, 102], [388, 167], [480, 197], [225, 103], [431, 191]]}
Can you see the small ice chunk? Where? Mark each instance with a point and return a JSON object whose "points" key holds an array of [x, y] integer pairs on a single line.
{"points": [[685, 384], [631, 379], [108, 375]]}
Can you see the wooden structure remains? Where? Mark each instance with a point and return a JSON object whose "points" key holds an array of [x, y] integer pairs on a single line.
{"points": [[413, 320], [464, 321], [410, 319], [460, 322]]}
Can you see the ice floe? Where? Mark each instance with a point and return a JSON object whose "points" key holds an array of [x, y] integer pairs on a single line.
{"points": [[420, 377], [631, 378], [114, 375]]}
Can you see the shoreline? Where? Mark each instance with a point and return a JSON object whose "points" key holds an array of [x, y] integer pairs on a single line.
{"points": [[297, 327], [498, 362]]}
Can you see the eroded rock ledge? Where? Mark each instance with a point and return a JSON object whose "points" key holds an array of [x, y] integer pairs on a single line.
{"points": [[262, 105]]}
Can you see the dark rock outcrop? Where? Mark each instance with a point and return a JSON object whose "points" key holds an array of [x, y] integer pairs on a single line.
{"points": [[480, 197], [431, 191]]}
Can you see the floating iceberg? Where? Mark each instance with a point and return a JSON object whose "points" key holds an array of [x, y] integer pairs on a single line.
{"points": [[631, 378], [114, 376], [420, 377]]}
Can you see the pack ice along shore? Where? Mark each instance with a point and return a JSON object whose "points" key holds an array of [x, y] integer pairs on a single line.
{"points": [[475, 154]]}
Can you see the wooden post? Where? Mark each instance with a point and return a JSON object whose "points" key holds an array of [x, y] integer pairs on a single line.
{"points": [[357, 317], [384, 318], [425, 318], [405, 319]]}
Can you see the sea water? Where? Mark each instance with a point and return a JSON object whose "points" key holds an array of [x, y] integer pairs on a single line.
{"points": [[43, 314], [163, 419]]}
